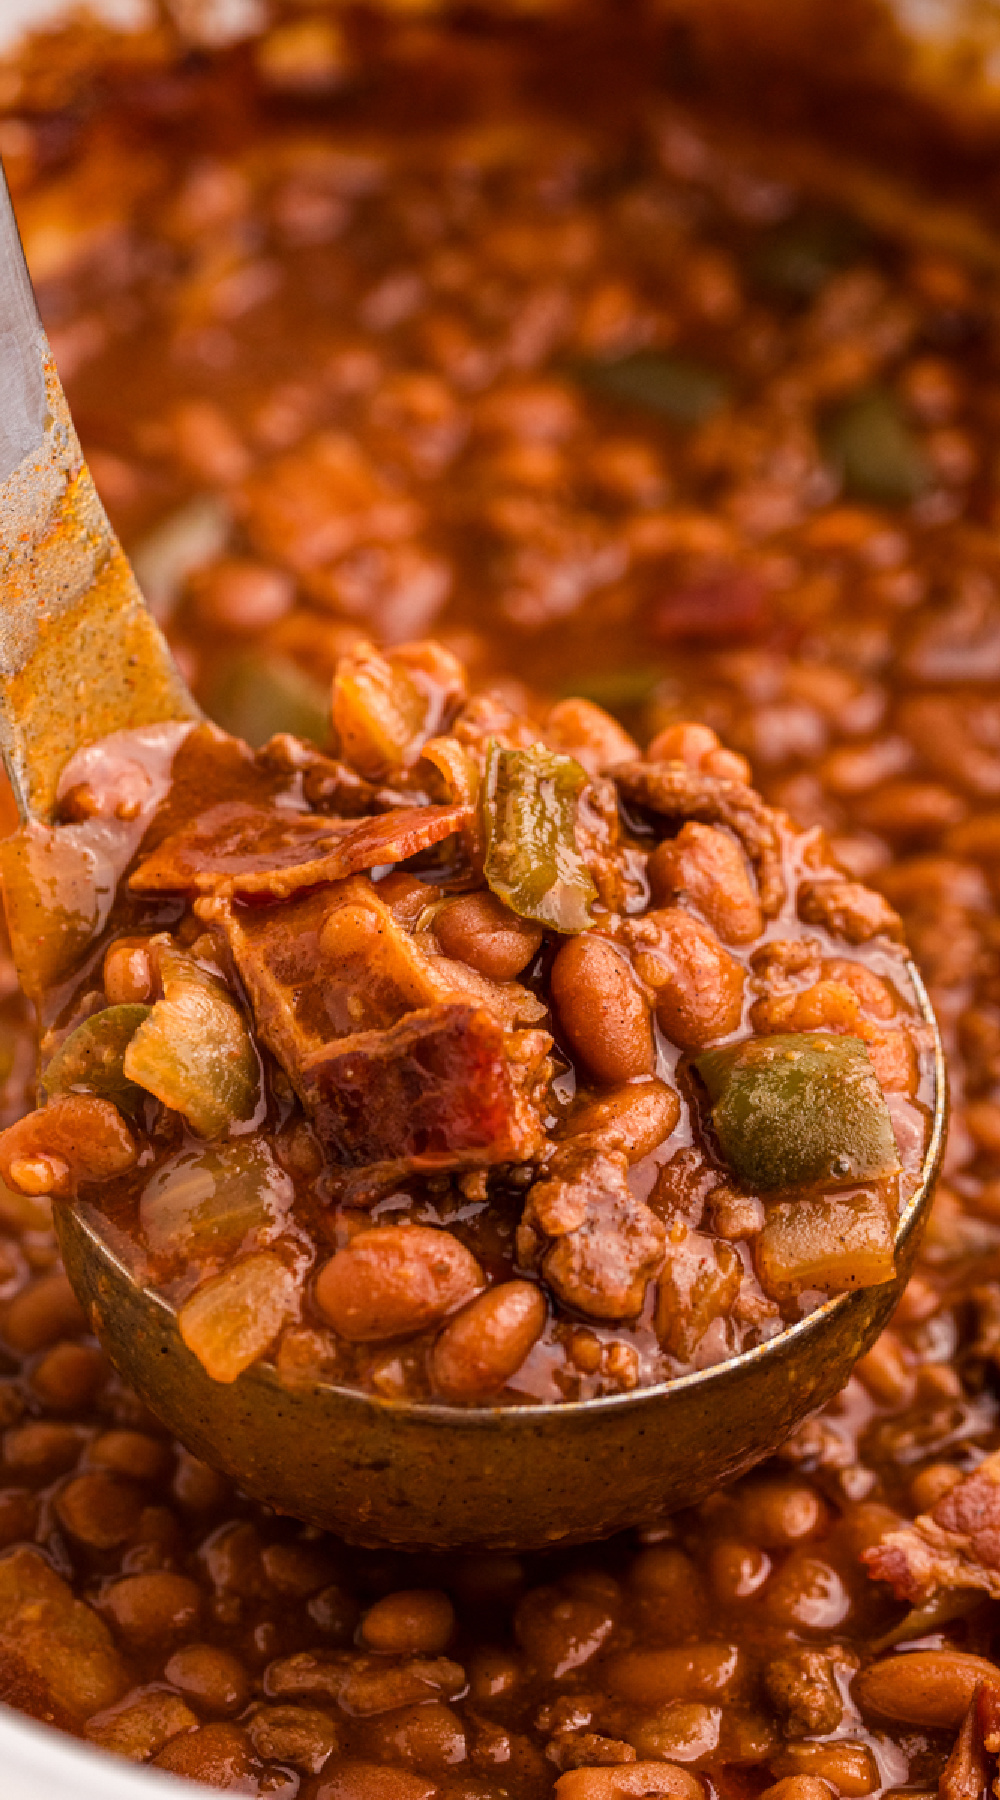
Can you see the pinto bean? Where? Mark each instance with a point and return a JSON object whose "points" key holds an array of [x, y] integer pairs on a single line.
{"points": [[708, 867], [396, 1281], [635, 1118], [698, 985], [128, 974], [374, 1781], [849, 1768], [643, 1780], [213, 1680], [486, 1343], [412, 1622], [480, 930], [689, 1672], [929, 1688], [602, 1010], [148, 1609]]}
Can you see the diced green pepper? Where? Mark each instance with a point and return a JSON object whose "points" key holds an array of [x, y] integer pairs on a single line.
{"points": [[683, 391], [215, 1202], [194, 1052], [870, 444], [92, 1059], [529, 819], [799, 257], [256, 697], [800, 1109]]}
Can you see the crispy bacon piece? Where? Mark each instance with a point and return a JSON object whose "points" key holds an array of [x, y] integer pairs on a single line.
{"points": [[955, 1545], [680, 792], [246, 849], [439, 1090]]}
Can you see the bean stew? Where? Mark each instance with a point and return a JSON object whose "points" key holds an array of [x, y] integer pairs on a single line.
{"points": [[516, 448]]}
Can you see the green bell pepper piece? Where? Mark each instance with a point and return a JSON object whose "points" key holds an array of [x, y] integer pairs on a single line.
{"points": [[255, 697], [679, 389], [195, 1052], [529, 827], [92, 1058], [870, 444], [800, 1109]]}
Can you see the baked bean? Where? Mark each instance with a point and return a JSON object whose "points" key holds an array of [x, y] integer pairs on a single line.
{"points": [[635, 1118], [395, 1281], [485, 1344], [798, 1787], [195, 1486], [39, 1451], [42, 1314], [692, 1672], [586, 731], [932, 1484], [559, 1632], [70, 1375], [777, 1514], [602, 1010], [697, 984], [237, 594], [493, 1675], [668, 1593], [300, 1735], [297, 1569], [807, 1592], [373, 1781], [151, 1609], [708, 868], [219, 1755], [99, 1509], [413, 1622], [737, 1570], [641, 1780], [932, 1689], [132, 1453], [686, 742], [18, 1515], [138, 1729], [886, 1372], [335, 1612], [849, 1768], [129, 978], [213, 1680], [429, 1738], [480, 930]]}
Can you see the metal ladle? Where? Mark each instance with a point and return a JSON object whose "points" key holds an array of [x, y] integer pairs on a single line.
{"points": [[80, 657]]}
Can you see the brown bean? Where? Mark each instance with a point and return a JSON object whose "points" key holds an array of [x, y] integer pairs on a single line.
{"points": [[486, 1343], [18, 1515], [219, 1755], [412, 1622], [396, 1281], [480, 930], [300, 1735], [708, 867], [239, 595], [698, 985], [635, 1118], [587, 732], [641, 1780], [213, 1680], [99, 1510], [602, 1011], [798, 1787], [153, 1608], [561, 1631], [70, 1375], [429, 1738], [849, 1768], [42, 1314], [38, 1451], [777, 1514], [128, 974], [297, 1569], [737, 1570], [689, 1672], [373, 1781], [929, 1688], [932, 1484], [493, 1675], [807, 1592], [133, 1453]]}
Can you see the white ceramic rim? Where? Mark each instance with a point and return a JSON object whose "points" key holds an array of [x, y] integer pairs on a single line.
{"points": [[37, 1763]]}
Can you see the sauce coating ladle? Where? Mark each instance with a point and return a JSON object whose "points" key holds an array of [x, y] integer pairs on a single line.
{"points": [[81, 657]]}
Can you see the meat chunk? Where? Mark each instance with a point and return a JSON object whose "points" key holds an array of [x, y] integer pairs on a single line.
{"points": [[849, 910], [332, 786], [595, 1243], [439, 1090], [800, 1685], [955, 1545], [238, 847], [680, 792]]}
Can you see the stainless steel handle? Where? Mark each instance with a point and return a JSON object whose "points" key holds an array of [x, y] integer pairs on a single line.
{"points": [[22, 348]]}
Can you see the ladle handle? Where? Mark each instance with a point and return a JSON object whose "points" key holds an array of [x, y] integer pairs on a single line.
{"points": [[80, 656]]}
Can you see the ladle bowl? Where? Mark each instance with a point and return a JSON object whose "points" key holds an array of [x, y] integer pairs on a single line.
{"points": [[81, 657], [408, 1474]]}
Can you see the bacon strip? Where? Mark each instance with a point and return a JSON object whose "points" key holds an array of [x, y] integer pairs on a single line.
{"points": [[955, 1545], [240, 848]]}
